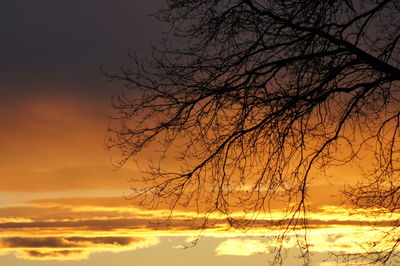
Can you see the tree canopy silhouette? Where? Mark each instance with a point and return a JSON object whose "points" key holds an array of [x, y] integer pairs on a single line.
{"points": [[253, 96]]}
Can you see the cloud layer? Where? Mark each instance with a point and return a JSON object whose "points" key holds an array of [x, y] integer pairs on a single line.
{"points": [[73, 228]]}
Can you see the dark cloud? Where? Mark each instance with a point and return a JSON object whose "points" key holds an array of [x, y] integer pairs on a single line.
{"points": [[53, 254], [175, 225], [106, 225], [67, 248], [109, 224], [37, 242], [66, 242], [120, 241]]}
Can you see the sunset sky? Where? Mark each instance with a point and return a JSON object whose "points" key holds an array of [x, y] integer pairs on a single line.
{"points": [[61, 200]]}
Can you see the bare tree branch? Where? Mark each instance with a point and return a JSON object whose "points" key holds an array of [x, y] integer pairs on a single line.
{"points": [[253, 96]]}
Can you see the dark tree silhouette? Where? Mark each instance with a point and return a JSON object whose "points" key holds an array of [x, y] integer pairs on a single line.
{"points": [[252, 97]]}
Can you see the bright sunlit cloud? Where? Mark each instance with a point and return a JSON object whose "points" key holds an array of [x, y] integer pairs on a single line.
{"points": [[238, 247]]}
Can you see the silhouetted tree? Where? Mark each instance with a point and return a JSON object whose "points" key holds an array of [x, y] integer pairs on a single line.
{"points": [[253, 96]]}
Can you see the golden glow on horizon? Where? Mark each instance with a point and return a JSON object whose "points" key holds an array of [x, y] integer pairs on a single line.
{"points": [[72, 229]]}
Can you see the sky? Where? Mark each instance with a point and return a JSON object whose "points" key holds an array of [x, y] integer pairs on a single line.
{"points": [[62, 202]]}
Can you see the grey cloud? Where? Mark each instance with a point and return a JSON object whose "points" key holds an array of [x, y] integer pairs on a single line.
{"points": [[66, 242], [54, 253]]}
